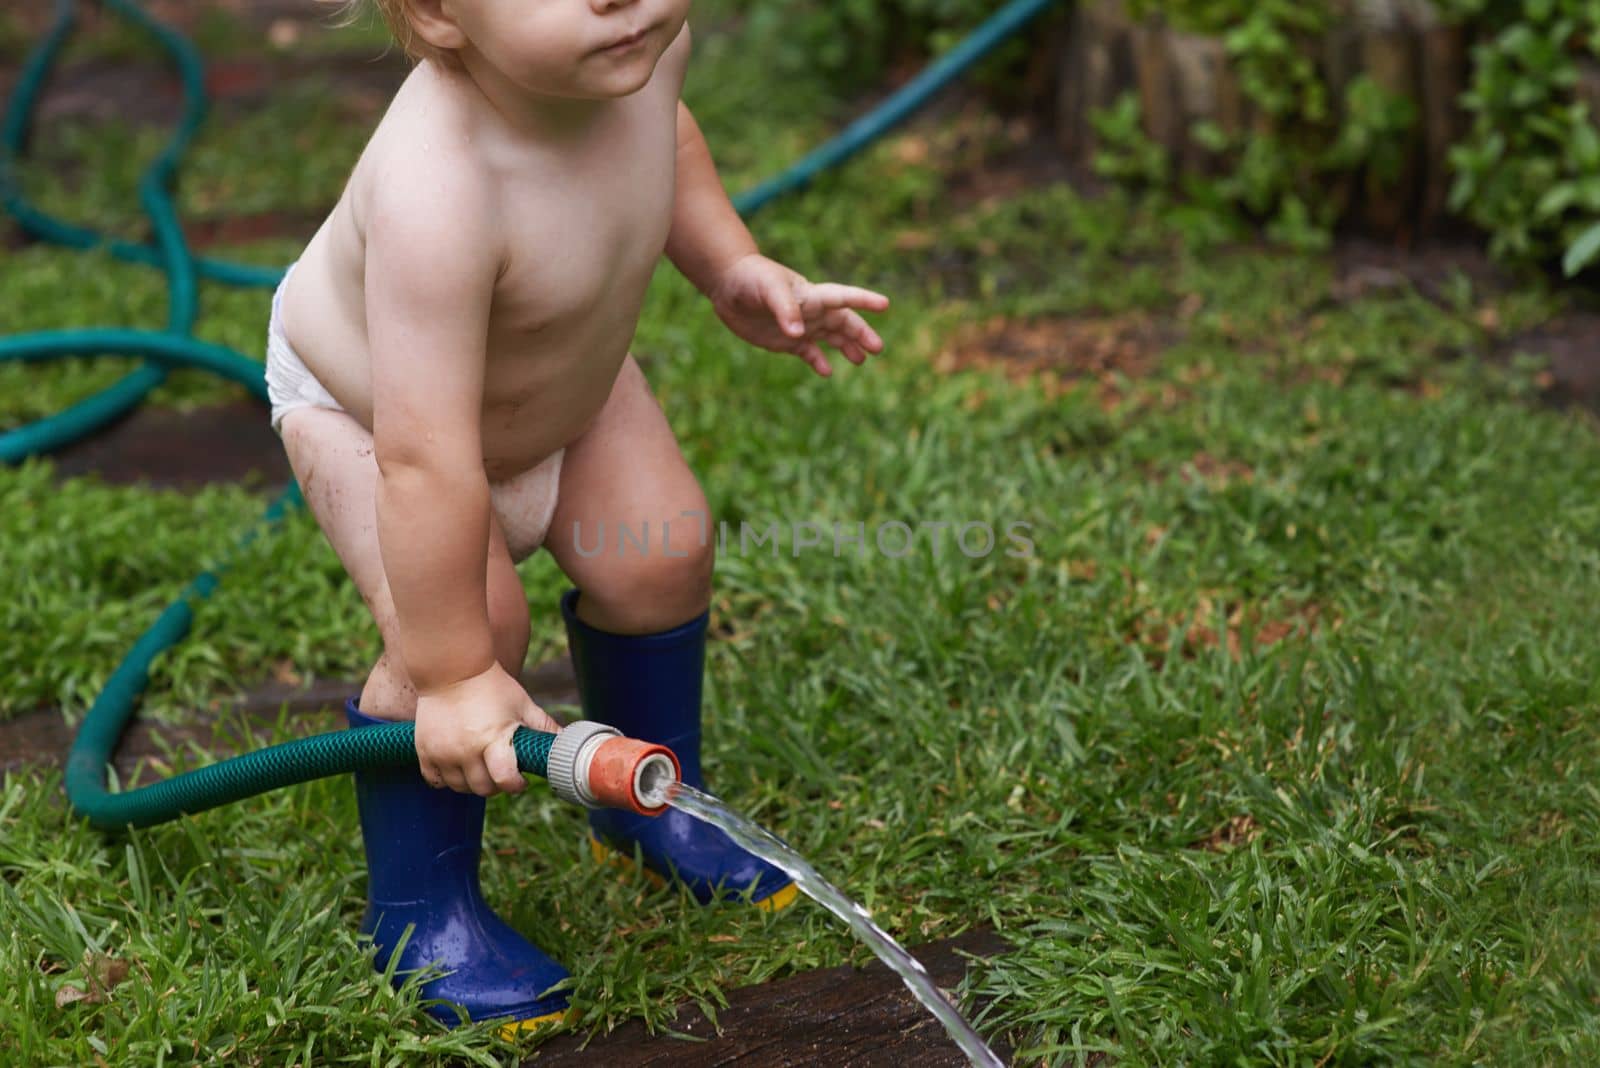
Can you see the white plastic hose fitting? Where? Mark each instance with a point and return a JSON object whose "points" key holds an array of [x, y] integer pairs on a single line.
{"points": [[594, 765]]}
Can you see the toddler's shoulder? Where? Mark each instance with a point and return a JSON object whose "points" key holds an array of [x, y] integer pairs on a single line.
{"points": [[422, 170], [429, 202]]}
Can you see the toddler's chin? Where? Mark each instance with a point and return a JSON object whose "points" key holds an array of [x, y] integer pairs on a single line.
{"points": [[611, 86], [620, 83]]}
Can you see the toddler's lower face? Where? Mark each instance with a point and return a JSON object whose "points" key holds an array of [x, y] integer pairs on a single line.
{"points": [[596, 75]]}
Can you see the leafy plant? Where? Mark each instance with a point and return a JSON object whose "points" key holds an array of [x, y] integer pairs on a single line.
{"points": [[856, 42], [1528, 171]]}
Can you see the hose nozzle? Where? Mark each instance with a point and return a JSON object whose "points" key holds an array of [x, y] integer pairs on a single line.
{"points": [[594, 765]]}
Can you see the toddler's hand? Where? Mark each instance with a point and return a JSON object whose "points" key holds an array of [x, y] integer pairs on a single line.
{"points": [[769, 305], [464, 733]]}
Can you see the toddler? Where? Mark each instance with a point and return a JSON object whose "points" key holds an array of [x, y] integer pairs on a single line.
{"points": [[449, 370]]}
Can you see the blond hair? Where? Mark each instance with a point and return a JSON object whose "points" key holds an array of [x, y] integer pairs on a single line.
{"points": [[397, 14]]}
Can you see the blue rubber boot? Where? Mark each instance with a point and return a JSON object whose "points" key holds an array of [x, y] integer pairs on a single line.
{"points": [[422, 868], [648, 687]]}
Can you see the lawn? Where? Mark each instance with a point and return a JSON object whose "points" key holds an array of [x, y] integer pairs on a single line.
{"points": [[1276, 746]]}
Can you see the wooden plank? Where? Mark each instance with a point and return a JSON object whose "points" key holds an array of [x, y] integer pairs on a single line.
{"points": [[1444, 77], [834, 1017], [1200, 72], [1340, 64], [1158, 93], [1098, 66], [1588, 89], [1072, 126], [1389, 56]]}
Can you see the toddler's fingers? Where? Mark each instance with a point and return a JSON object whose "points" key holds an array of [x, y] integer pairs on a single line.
{"points": [[455, 780], [440, 773], [812, 354], [500, 760], [847, 347], [781, 299], [431, 775], [834, 295], [538, 719], [850, 324], [478, 779]]}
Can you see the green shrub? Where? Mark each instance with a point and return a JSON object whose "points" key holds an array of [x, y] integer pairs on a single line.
{"points": [[1527, 170], [856, 42]]}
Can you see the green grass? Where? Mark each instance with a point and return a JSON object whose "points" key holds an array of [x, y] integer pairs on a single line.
{"points": [[1043, 744]]}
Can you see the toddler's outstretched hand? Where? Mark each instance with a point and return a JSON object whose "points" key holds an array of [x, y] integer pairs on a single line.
{"points": [[464, 733], [769, 305]]}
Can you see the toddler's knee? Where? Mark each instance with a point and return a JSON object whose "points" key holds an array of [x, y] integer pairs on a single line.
{"points": [[656, 590], [508, 623]]}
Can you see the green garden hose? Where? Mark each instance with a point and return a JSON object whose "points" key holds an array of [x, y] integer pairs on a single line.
{"points": [[392, 745]]}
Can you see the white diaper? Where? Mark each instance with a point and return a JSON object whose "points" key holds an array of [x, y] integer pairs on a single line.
{"points": [[290, 384], [524, 504]]}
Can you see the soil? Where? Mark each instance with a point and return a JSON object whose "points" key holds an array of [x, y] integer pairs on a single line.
{"points": [[232, 230], [834, 1016], [1571, 345], [1102, 349], [1363, 267], [229, 728], [169, 449]]}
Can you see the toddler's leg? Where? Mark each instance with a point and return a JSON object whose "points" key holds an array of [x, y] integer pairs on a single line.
{"points": [[627, 469], [636, 626], [333, 460], [424, 901]]}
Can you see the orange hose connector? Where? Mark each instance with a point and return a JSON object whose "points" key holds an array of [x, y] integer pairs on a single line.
{"points": [[628, 773], [594, 765]]}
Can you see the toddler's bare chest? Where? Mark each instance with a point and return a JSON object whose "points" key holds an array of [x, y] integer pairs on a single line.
{"points": [[585, 241]]}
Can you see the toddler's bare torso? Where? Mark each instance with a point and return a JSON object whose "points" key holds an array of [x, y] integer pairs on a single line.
{"points": [[586, 223]]}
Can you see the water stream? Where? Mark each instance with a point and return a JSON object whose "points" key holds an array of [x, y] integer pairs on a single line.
{"points": [[772, 849]]}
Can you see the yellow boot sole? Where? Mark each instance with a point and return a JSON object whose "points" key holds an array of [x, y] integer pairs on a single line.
{"points": [[534, 1023], [604, 854]]}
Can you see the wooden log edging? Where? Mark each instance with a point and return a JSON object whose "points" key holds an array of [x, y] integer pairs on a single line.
{"points": [[1183, 79]]}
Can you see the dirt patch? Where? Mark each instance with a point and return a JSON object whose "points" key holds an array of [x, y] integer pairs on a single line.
{"points": [[106, 90], [1238, 831], [1062, 352], [240, 229], [1204, 467], [1220, 622], [362, 85], [149, 752], [1571, 345], [832, 1016], [163, 448], [183, 15], [1364, 268], [1023, 157], [120, 90]]}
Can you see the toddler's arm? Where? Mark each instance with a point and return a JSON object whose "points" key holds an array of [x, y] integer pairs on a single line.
{"points": [[429, 277], [760, 300], [707, 235], [433, 252]]}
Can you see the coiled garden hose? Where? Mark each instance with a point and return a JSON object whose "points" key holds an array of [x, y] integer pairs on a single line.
{"points": [[597, 770]]}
